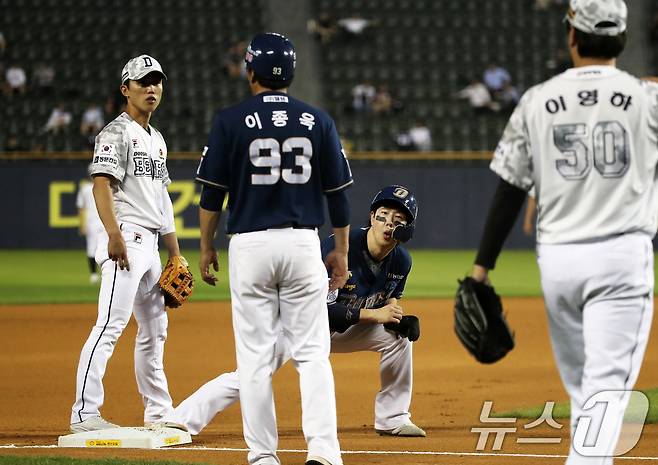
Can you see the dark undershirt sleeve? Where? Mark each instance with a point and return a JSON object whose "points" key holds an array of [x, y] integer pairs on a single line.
{"points": [[505, 207], [212, 198], [341, 317], [339, 209]]}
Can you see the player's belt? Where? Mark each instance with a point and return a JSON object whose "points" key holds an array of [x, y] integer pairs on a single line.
{"points": [[292, 225]]}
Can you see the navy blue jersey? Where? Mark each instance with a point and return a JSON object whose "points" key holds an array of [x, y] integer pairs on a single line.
{"points": [[276, 156], [368, 288]]}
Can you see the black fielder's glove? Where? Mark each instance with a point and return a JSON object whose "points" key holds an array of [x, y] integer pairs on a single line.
{"points": [[479, 321], [409, 327]]}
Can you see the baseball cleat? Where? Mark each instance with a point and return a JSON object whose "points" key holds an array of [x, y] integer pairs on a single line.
{"points": [[408, 430], [164, 424], [92, 424], [315, 460]]}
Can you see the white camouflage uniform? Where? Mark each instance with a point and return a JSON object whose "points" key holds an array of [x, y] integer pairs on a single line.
{"points": [[587, 140], [136, 161]]}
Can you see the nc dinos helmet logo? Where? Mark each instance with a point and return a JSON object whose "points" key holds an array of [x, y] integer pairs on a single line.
{"points": [[401, 193]]}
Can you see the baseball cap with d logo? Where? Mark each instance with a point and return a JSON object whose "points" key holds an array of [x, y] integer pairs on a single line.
{"points": [[598, 17], [140, 66]]}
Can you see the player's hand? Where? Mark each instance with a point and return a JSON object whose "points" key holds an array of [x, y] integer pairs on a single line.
{"points": [[337, 262], [117, 251], [389, 313], [208, 257]]}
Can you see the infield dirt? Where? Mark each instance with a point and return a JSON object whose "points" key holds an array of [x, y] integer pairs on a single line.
{"points": [[41, 345]]}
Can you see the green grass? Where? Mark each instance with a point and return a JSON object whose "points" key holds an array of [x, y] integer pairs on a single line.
{"points": [[60, 276], [14, 460], [562, 410]]}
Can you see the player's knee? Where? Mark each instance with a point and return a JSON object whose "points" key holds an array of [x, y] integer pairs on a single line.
{"points": [[399, 344], [152, 331], [110, 329]]}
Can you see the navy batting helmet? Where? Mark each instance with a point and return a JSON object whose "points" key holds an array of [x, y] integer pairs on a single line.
{"points": [[272, 57], [402, 198]]}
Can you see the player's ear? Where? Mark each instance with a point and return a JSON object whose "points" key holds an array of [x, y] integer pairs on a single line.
{"points": [[571, 35], [124, 90], [372, 218]]}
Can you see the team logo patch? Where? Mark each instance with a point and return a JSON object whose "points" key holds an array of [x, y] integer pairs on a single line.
{"points": [[161, 154], [401, 193], [135, 143], [138, 238], [332, 296]]}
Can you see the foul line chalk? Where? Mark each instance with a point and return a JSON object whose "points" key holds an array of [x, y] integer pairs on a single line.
{"points": [[351, 452]]}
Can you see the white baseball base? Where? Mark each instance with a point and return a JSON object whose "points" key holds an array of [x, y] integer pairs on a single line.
{"points": [[127, 438]]}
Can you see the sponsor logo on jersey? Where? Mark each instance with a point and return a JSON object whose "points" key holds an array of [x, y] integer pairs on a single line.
{"points": [[135, 143], [161, 154], [349, 287], [105, 160], [394, 276], [138, 238], [592, 72], [353, 301], [275, 99]]}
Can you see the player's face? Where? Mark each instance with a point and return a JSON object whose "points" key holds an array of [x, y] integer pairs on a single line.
{"points": [[145, 94], [384, 220]]}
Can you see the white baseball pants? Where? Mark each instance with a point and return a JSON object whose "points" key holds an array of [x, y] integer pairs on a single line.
{"points": [[391, 404], [278, 282], [599, 299], [123, 293]]}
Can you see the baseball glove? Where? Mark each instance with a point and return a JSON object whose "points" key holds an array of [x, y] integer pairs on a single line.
{"points": [[480, 323], [409, 327], [176, 281]]}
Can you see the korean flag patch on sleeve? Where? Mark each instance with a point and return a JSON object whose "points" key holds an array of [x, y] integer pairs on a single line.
{"points": [[106, 154]]}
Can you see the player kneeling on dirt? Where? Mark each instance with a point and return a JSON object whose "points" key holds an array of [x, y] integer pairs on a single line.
{"points": [[364, 315]]}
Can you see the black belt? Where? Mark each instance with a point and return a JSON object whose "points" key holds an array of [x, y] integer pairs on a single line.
{"points": [[292, 225]]}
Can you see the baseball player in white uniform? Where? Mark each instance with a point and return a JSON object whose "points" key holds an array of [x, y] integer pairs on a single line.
{"points": [[90, 225], [277, 158], [130, 188], [587, 141]]}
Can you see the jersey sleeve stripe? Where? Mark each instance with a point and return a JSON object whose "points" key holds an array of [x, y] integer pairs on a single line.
{"points": [[336, 189], [210, 183]]}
